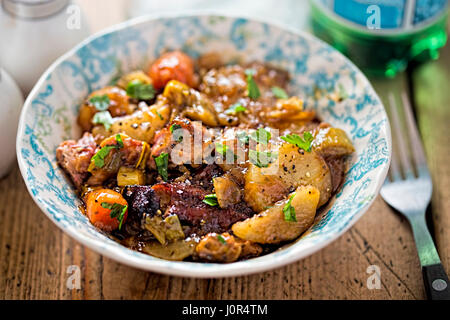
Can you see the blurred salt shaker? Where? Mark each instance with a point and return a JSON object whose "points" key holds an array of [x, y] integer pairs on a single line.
{"points": [[33, 33], [12, 101]]}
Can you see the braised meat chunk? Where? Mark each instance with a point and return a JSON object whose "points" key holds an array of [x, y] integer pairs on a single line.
{"points": [[186, 202], [75, 156]]}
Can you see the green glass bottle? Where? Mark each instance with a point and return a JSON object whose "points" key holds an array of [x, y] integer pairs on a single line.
{"points": [[382, 37]]}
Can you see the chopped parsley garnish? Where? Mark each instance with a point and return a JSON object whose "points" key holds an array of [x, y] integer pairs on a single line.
{"points": [[223, 150], [211, 200], [162, 162], [117, 211], [119, 140], [252, 87], [177, 134], [261, 136], [136, 89], [101, 103], [221, 239], [99, 157], [289, 211], [174, 127], [235, 108], [104, 118], [279, 93], [262, 159], [242, 137], [304, 143]]}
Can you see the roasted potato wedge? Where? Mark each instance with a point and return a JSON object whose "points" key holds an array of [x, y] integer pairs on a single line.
{"points": [[270, 226], [290, 109], [332, 142], [140, 125], [262, 190], [295, 167]]}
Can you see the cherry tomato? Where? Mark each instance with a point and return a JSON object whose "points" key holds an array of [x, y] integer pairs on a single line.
{"points": [[173, 65], [106, 209]]}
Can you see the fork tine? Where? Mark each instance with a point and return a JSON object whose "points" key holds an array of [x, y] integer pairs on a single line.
{"points": [[400, 139], [417, 151], [394, 170]]}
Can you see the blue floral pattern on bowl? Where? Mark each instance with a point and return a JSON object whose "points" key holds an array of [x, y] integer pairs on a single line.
{"points": [[318, 71]]}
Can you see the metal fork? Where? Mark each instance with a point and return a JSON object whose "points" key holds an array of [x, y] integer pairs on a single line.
{"points": [[408, 189]]}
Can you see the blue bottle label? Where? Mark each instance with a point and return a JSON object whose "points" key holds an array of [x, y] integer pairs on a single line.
{"points": [[387, 14], [427, 9]]}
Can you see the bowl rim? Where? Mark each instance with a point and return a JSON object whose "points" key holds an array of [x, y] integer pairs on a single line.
{"points": [[183, 268]]}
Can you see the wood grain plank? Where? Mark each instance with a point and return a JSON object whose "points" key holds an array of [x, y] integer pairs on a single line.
{"points": [[26, 245]]}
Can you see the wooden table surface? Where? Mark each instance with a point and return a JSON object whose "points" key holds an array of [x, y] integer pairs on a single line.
{"points": [[35, 254]]}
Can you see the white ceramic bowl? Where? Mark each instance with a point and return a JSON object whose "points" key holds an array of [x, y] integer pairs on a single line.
{"points": [[49, 117]]}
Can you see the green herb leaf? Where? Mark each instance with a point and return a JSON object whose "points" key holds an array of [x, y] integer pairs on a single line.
{"points": [[211, 200], [99, 157], [235, 108], [221, 239], [224, 151], [261, 136], [262, 159], [176, 132], [117, 211], [279, 93], [174, 127], [101, 103], [289, 211], [243, 137], [304, 143], [162, 162], [104, 118], [119, 141], [252, 87], [136, 89]]}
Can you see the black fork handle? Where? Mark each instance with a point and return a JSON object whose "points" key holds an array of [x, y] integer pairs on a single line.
{"points": [[436, 281]]}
